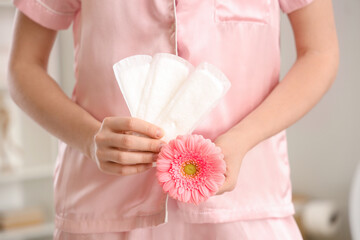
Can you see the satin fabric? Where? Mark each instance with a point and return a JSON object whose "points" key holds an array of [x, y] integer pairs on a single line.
{"points": [[240, 37], [178, 229]]}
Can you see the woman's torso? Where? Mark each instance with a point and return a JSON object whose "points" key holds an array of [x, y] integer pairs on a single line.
{"points": [[240, 37]]}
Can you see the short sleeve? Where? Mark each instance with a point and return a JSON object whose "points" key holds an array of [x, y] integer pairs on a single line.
{"points": [[288, 6], [53, 14]]}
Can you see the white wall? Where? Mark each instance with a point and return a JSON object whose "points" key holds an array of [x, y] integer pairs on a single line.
{"points": [[67, 61], [324, 145]]}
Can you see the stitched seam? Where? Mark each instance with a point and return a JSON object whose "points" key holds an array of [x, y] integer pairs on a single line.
{"points": [[52, 10], [85, 218], [259, 208], [241, 20], [176, 51]]}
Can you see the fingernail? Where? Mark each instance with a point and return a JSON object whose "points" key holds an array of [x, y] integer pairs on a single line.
{"points": [[158, 133]]}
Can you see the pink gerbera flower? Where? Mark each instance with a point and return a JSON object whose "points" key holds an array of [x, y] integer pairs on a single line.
{"points": [[191, 168]]}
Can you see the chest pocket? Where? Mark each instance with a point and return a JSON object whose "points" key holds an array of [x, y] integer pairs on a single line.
{"points": [[257, 11]]}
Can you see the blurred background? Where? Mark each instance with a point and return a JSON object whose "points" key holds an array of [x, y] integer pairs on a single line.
{"points": [[323, 146]]}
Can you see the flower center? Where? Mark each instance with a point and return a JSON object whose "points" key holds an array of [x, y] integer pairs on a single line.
{"points": [[190, 169]]}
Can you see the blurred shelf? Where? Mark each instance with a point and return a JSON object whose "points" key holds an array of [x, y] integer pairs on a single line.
{"points": [[28, 173], [3, 89], [38, 231], [6, 3]]}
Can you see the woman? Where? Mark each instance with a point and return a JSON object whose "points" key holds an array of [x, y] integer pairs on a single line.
{"points": [[105, 187]]}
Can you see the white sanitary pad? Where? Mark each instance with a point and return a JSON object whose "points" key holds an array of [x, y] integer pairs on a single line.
{"points": [[199, 94], [167, 72], [131, 73], [169, 92]]}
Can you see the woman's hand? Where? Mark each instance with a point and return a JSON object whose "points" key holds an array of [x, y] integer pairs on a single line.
{"points": [[116, 151], [233, 155]]}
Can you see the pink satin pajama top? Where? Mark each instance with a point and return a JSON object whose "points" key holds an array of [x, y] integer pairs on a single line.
{"points": [[240, 37]]}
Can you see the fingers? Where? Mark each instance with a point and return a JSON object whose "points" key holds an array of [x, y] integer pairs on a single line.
{"points": [[126, 158], [123, 170], [228, 186], [120, 124], [129, 142], [126, 145]]}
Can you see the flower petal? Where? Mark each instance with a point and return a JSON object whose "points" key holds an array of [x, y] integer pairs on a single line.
{"points": [[181, 190], [173, 192], [217, 165], [171, 144], [204, 191], [210, 184], [169, 185], [186, 195], [164, 177], [195, 196], [199, 138], [207, 147], [166, 153], [180, 146], [198, 143], [222, 165], [190, 143], [163, 166], [218, 178], [202, 198], [182, 137]]}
